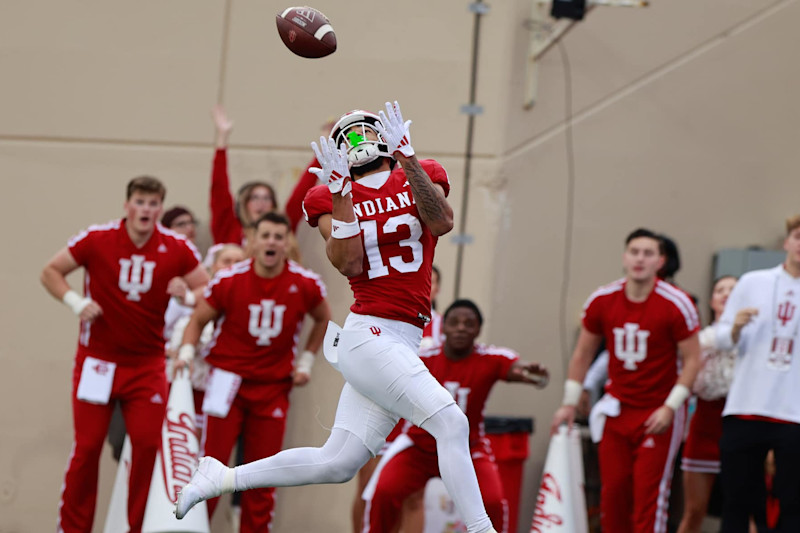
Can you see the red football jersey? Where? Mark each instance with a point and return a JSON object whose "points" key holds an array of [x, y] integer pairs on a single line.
{"points": [[260, 319], [398, 247], [642, 339], [130, 285], [469, 381]]}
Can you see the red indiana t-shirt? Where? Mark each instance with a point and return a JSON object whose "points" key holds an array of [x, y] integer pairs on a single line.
{"points": [[642, 339], [398, 247], [130, 285], [260, 319], [469, 380]]}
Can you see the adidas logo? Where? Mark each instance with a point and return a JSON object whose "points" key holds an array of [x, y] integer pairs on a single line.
{"points": [[405, 184], [649, 443], [293, 289], [278, 413], [162, 249], [156, 398]]}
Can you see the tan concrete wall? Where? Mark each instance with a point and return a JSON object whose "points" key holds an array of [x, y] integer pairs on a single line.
{"points": [[684, 120]]}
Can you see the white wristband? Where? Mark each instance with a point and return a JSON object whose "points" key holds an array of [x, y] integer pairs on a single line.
{"points": [[74, 301], [189, 299], [677, 396], [186, 353], [304, 362], [572, 392], [344, 230]]}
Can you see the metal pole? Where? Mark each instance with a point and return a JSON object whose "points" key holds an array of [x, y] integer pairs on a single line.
{"points": [[471, 109]]}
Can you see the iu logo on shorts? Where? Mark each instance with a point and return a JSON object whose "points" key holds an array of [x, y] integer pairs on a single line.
{"points": [[630, 345], [135, 276], [375, 330], [266, 321]]}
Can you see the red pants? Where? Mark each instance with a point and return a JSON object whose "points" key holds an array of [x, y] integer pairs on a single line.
{"points": [[260, 416], [636, 471], [409, 471], [142, 393]]}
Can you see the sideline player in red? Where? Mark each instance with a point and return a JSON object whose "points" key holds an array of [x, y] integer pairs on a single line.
{"points": [[380, 230], [468, 370], [128, 264], [650, 329], [259, 306]]}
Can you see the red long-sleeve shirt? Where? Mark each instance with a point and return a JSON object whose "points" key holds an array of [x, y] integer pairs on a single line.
{"points": [[225, 225]]}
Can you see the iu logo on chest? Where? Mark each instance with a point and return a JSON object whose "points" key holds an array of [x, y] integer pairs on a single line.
{"points": [[136, 276], [630, 345], [460, 394], [266, 321]]}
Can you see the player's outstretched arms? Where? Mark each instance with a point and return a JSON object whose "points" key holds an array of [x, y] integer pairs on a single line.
{"points": [[432, 205], [346, 254], [340, 229]]}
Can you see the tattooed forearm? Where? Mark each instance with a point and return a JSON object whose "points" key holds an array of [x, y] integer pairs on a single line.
{"points": [[433, 207]]}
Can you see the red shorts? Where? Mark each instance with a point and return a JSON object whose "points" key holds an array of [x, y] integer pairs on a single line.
{"points": [[701, 451]]}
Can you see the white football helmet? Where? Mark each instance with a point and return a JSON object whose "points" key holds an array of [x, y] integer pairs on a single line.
{"points": [[350, 130]]}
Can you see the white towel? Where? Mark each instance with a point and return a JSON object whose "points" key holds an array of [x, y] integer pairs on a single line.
{"points": [[605, 406]]}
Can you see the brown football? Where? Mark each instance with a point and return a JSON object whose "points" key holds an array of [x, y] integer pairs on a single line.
{"points": [[306, 32]]}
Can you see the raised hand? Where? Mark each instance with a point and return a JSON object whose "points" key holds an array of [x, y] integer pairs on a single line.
{"points": [[335, 171], [394, 131], [223, 125]]}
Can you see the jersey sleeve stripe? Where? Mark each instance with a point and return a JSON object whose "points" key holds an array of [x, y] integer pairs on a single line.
{"points": [[483, 349], [605, 290], [682, 302], [235, 269], [108, 226], [178, 236], [310, 274]]}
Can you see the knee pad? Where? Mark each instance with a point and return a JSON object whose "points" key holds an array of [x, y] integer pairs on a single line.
{"points": [[343, 456], [448, 423]]}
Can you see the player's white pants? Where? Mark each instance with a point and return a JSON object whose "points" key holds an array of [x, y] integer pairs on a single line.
{"points": [[385, 380]]}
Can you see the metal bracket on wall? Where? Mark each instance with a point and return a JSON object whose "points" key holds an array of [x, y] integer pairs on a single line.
{"points": [[546, 31], [462, 239]]}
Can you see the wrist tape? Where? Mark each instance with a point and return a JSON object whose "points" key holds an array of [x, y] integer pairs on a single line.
{"points": [[74, 301], [572, 392], [344, 230], [677, 396], [304, 362]]}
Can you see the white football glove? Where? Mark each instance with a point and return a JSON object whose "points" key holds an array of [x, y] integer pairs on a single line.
{"points": [[335, 171], [394, 131]]}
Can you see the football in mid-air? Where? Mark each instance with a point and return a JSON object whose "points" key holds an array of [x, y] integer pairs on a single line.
{"points": [[306, 32]]}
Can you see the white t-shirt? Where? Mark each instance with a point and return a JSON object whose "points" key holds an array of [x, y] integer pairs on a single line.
{"points": [[760, 386]]}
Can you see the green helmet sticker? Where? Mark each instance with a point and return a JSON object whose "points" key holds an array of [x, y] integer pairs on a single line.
{"points": [[355, 138]]}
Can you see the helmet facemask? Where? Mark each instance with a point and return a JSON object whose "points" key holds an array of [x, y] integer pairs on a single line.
{"points": [[354, 131]]}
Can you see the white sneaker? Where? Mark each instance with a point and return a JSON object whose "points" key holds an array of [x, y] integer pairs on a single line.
{"points": [[210, 480]]}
